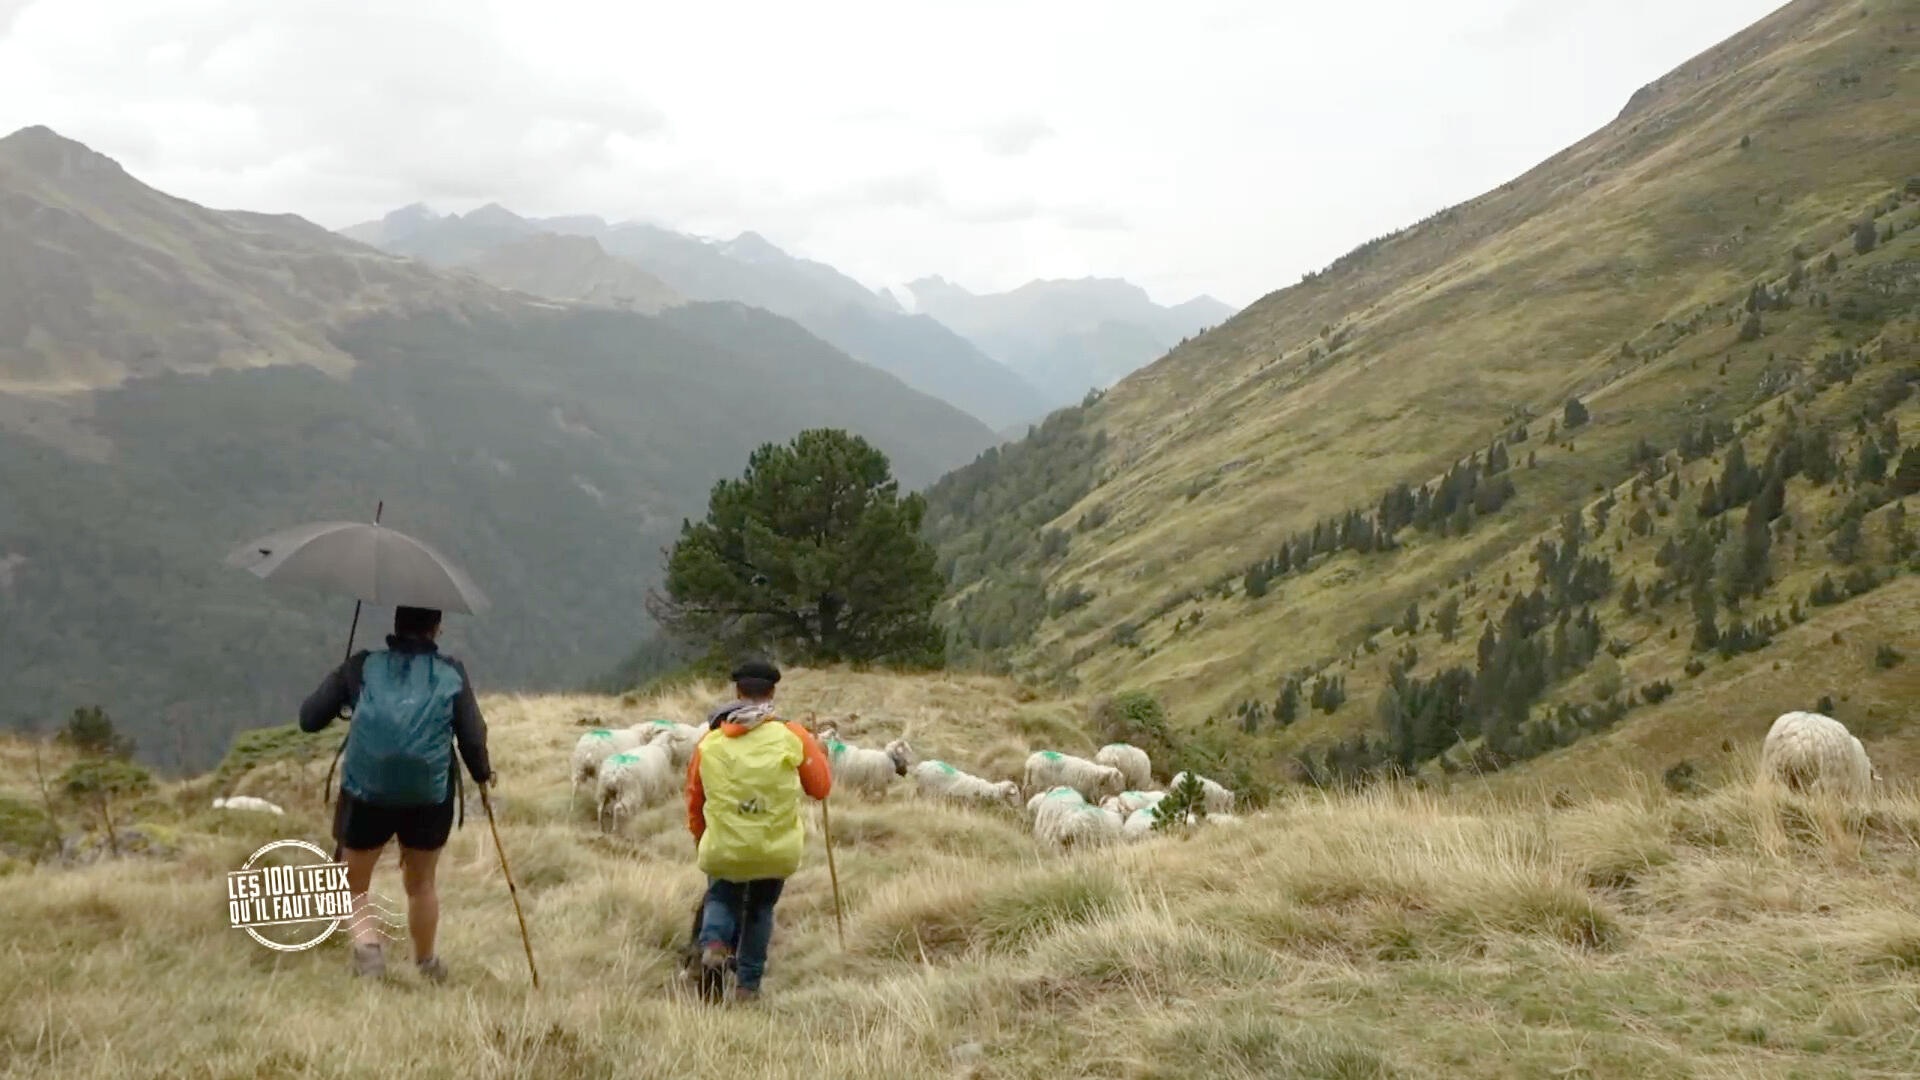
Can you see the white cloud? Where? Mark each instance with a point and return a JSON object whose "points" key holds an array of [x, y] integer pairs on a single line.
{"points": [[1222, 146], [1016, 136]]}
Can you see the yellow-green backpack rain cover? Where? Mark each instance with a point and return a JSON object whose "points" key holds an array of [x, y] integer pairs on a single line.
{"points": [[752, 785]]}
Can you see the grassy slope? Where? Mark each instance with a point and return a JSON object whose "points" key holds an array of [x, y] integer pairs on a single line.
{"points": [[1390, 935], [1650, 231]]}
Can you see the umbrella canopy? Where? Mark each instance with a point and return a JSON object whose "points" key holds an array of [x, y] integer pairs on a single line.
{"points": [[367, 562]]}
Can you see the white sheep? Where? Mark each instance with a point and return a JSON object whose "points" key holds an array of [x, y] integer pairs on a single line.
{"points": [[1218, 799], [1132, 762], [1052, 798], [937, 779], [633, 780], [1814, 753], [1139, 823], [1128, 802], [246, 802], [1064, 824], [1050, 768], [867, 771], [597, 746], [679, 739]]}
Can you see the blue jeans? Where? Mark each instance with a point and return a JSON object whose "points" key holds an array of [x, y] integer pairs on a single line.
{"points": [[739, 915]]}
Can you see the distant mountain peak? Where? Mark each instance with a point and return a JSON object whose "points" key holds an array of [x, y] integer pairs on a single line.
{"points": [[44, 150], [751, 245], [31, 133], [408, 218], [492, 214]]}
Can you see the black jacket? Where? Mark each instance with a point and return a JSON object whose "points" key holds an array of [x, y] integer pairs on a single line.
{"points": [[341, 688]]}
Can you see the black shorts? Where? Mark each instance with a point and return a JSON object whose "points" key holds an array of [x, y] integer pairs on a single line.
{"points": [[360, 826]]}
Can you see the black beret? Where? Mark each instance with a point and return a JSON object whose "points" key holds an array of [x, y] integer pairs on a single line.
{"points": [[756, 669]]}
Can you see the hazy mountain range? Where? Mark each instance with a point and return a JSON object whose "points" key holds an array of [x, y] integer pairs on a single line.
{"points": [[175, 380], [1007, 359], [1068, 337]]}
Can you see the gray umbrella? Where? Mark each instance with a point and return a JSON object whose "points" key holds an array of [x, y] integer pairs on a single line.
{"points": [[368, 562]]}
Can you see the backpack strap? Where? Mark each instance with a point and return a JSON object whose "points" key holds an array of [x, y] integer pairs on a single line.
{"points": [[355, 670]]}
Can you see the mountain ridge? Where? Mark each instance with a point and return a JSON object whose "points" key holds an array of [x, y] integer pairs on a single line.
{"points": [[748, 269], [224, 374], [1738, 237]]}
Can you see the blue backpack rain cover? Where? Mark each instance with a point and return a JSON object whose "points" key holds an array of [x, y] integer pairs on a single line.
{"points": [[400, 747]]}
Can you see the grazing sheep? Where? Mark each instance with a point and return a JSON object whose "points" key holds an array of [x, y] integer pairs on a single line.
{"points": [[1128, 802], [1050, 768], [937, 779], [679, 739], [633, 780], [1052, 799], [1814, 753], [597, 746], [1064, 824], [1139, 823], [1132, 762], [1218, 799], [246, 802], [868, 771], [1051, 796]]}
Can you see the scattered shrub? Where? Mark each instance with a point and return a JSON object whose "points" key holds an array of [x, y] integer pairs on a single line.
{"points": [[1682, 778]]}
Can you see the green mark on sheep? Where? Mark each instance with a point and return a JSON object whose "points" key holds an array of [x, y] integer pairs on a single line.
{"points": [[623, 759], [945, 768], [1052, 755], [600, 733]]}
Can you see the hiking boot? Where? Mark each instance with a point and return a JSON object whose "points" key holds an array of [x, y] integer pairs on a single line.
{"points": [[745, 995], [369, 960], [433, 969], [713, 972]]}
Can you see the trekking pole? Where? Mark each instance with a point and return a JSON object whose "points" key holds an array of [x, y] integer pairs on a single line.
{"points": [[826, 831], [513, 892]]}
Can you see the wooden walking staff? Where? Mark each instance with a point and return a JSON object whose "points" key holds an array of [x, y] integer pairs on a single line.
{"points": [[826, 831], [833, 875], [512, 891]]}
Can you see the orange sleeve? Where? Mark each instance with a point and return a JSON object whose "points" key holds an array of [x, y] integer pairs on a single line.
{"points": [[696, 798], [816, 776]]}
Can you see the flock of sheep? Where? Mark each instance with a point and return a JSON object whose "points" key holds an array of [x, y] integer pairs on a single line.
{"points": [[1071, 801]]}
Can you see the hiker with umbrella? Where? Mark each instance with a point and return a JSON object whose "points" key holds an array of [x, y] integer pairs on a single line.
{"points": [[410, 705], [398, 778], [743, 808]]}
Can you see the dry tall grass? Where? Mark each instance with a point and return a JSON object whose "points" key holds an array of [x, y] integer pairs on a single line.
{"points": [[1402, 934]]}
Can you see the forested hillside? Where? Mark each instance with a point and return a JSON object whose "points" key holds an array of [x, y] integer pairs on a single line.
{"points": [[1493, 482]]}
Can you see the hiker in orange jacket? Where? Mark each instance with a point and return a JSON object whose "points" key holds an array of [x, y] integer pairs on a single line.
{"points": [[743, 807]]}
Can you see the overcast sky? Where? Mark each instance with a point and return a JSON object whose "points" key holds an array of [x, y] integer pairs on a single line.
{"points": [[1220, 146]]}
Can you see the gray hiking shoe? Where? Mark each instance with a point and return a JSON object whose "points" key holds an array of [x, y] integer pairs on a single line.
{"points": [[369, 960], [433, 969]]}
